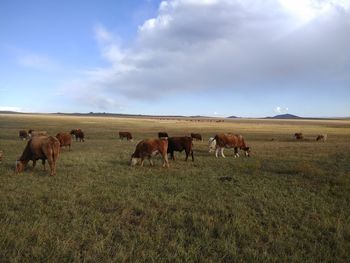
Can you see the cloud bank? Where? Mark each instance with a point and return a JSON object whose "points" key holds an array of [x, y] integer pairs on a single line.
{"points": [[236, 45]]}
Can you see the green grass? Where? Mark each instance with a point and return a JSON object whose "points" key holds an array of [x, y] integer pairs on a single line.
{"points": [[288, 202]]}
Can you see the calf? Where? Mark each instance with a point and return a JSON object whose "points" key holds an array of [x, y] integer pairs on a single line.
{"points": [[162, 135], [40, 147], [78, 134], [321, 137], [65, 139], [230, 141], [179, 144], [23, 134], [126, 135], [196, 136], [149, 148]]}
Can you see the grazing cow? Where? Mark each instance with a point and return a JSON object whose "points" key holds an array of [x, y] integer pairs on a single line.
{"points": [[23, 134], [33, 133], [179, 144], [149, 148], [162, 135], [40, 147], [126, 135], [65, 139], [78, 134], [321, 137], [230, 141], [212, 144], [298, 136], [196, 136]]}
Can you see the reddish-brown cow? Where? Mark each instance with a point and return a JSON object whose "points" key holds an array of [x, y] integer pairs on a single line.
{"points": [[126, 135], [65, 139], [230, 141], [149, 148]]}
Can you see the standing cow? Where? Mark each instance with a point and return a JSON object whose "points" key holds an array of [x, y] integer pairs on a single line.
{"points": [[78, 134], [298, 136], [321, 137], [230, 141], [23, 135], [196, 136], [40, 147], [179, 144], [126, 135], [149, 148], [65, 139]]}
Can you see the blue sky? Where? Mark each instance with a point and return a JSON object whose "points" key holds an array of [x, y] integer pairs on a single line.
{"points": [[250, 58]]}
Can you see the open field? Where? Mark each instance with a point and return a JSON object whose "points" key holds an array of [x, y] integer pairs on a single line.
{"points": [[289, 202]]}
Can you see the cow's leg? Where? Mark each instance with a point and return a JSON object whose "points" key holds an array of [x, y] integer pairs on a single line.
{"points": [[142, 160], [222, 152], [165, 158], [192, 155], [236, 152], [34, 163], [52, 166], [187, 153], [150, 160], [43, 162], [172, 156], [217, 151]]}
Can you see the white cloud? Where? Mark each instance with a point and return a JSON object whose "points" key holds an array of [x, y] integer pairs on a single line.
{"points": [[279, 109], [241, 45], [36, 61]]}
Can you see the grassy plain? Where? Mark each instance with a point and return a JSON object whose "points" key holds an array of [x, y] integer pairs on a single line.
{"points": [[289, 202]]}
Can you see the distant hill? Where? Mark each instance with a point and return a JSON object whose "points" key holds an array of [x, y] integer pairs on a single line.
{"points": [[232, 117], [285, 116]]}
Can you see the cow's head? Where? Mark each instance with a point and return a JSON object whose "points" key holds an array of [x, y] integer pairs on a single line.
{"points": [[134, 160], [246, 151], [212, 144], [19, 166]]}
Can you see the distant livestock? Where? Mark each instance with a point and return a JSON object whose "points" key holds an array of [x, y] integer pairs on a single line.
{"points": [[126, 135], [78, 134], [149, 148], [65, 139], [33, 133], [298, 136], [40, 147], [321, 137], [162, 135], [196, 136], [179, 144], [1, 156], [23, 135], [230, 141]]}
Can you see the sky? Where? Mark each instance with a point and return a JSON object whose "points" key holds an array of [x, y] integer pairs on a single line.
{"points": [[247, 58]]}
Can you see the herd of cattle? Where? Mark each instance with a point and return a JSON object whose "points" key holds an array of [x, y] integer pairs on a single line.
{"points": [[43, 147]]}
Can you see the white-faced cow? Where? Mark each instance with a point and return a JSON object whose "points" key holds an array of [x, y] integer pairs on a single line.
{"points": [[212, 144], [149, 148], [126, 135], [40, 147], [230, 141], [179, 144]]}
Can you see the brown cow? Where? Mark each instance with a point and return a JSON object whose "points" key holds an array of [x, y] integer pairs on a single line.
{"points": [[162, 135], [33, 133], [196, 136], [23, 134], [179, 144], [65, 139], [321, 137], [148, 148], [40, 147], [78, 134], [298, 136], [126, 135], [230, 141]]}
